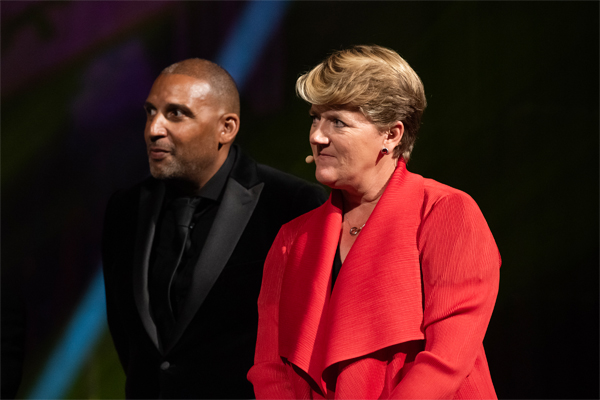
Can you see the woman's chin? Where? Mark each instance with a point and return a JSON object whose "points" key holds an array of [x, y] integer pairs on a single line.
{"points": [[326, 179]]}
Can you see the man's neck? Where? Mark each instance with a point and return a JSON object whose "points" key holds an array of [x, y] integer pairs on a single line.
{"points": [[182, 187]]}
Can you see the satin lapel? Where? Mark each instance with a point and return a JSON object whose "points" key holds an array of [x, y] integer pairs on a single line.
{"points": [[151, 199], [306, 285], [234, 213], [377, 298]]}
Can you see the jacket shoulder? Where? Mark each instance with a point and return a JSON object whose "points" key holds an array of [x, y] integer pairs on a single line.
{"points": [[290, 191], [295, 193], [282, 179], [122, 207], [132, 193], [436, 193]]}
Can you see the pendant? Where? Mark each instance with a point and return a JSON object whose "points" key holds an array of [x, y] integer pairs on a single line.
{"points": [[355, 231]]}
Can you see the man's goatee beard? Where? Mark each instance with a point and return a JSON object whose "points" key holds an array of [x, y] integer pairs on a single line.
{"points": [[175, 171]]}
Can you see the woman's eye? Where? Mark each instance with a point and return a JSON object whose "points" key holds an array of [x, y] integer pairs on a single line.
{"points": [[338, 124], [313, 118]]}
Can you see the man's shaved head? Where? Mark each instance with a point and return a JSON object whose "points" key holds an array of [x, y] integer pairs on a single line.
{"points": [[222, 84]]}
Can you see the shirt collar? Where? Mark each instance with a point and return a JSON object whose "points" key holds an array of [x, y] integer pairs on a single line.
{"points": [[215, 185]]}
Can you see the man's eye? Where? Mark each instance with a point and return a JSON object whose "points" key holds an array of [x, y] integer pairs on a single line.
{"points": [[338, 124], [150, 111]]}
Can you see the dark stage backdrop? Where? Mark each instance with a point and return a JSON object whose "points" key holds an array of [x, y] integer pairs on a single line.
{"points": [[512, 120]]}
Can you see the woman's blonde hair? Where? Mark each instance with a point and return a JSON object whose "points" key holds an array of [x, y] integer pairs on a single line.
{"points": [[374, 79]]}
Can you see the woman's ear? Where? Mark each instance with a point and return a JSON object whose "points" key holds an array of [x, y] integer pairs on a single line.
{"points": [[393, 137], [230, 128]]}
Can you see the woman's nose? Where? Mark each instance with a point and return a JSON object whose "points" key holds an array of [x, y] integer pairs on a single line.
{"points": [[317, 136]]}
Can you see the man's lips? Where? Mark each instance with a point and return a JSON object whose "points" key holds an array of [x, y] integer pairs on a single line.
{"points": [[157, 153]]}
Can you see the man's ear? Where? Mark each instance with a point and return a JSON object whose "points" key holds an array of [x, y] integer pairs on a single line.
{"points": [[230, 125], [394, 135]]}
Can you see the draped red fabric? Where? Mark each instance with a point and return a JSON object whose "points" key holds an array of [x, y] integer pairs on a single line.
{"points": [[409, 309]]}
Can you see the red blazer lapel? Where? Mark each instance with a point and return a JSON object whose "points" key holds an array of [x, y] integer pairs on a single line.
{"points": [[377, 299], [305, 289]]}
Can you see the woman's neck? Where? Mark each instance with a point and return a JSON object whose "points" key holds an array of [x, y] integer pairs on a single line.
{"points": [[367, 194], [357, 208]]}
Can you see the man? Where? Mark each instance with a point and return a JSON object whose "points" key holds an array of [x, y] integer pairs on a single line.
{"points": [[183, 250]]}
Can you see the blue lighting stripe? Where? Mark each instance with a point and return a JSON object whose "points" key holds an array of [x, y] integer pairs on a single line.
{"points": [[86, 326], [247, 41]]}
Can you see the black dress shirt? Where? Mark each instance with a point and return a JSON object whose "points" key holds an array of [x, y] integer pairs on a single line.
{"points": [[207, 204], [337, 266]]}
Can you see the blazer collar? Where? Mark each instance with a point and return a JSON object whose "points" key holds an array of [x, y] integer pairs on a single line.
{"points": [[377, 298], [233, 215], [241, 195], [151, 199]]}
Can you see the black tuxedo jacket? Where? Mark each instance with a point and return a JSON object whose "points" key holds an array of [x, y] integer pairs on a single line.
{"points": [[213, 346]]}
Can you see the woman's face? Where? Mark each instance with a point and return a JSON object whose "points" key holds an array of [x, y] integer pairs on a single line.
{"points": [[346, 147]]}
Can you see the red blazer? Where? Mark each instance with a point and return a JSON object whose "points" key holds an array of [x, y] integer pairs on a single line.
{"points": [[409, 309]]}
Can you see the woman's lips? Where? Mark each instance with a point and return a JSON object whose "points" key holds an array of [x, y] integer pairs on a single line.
{"points": [[323, 156]]}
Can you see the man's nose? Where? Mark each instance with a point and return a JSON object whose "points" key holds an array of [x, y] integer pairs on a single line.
{"points": [[156, 127]]}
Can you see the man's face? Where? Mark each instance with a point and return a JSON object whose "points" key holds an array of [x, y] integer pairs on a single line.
{"points": [[183, 125]]}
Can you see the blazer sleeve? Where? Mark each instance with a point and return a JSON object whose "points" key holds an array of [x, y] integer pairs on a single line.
{"points": [[460, 267], [269, 374], [112, 237]]}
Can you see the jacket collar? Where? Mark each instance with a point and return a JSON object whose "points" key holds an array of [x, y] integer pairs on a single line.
{"points": [[377, 298], [151, 198], [242, 192]]}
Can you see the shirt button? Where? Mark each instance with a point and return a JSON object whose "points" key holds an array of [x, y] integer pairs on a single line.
{"points": [[165, 366]]}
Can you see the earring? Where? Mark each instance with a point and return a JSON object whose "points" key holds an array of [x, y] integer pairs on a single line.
{"points": [[384, 151]]}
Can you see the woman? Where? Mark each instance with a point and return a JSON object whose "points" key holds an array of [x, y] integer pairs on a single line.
{"points": [[387, 289]]}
